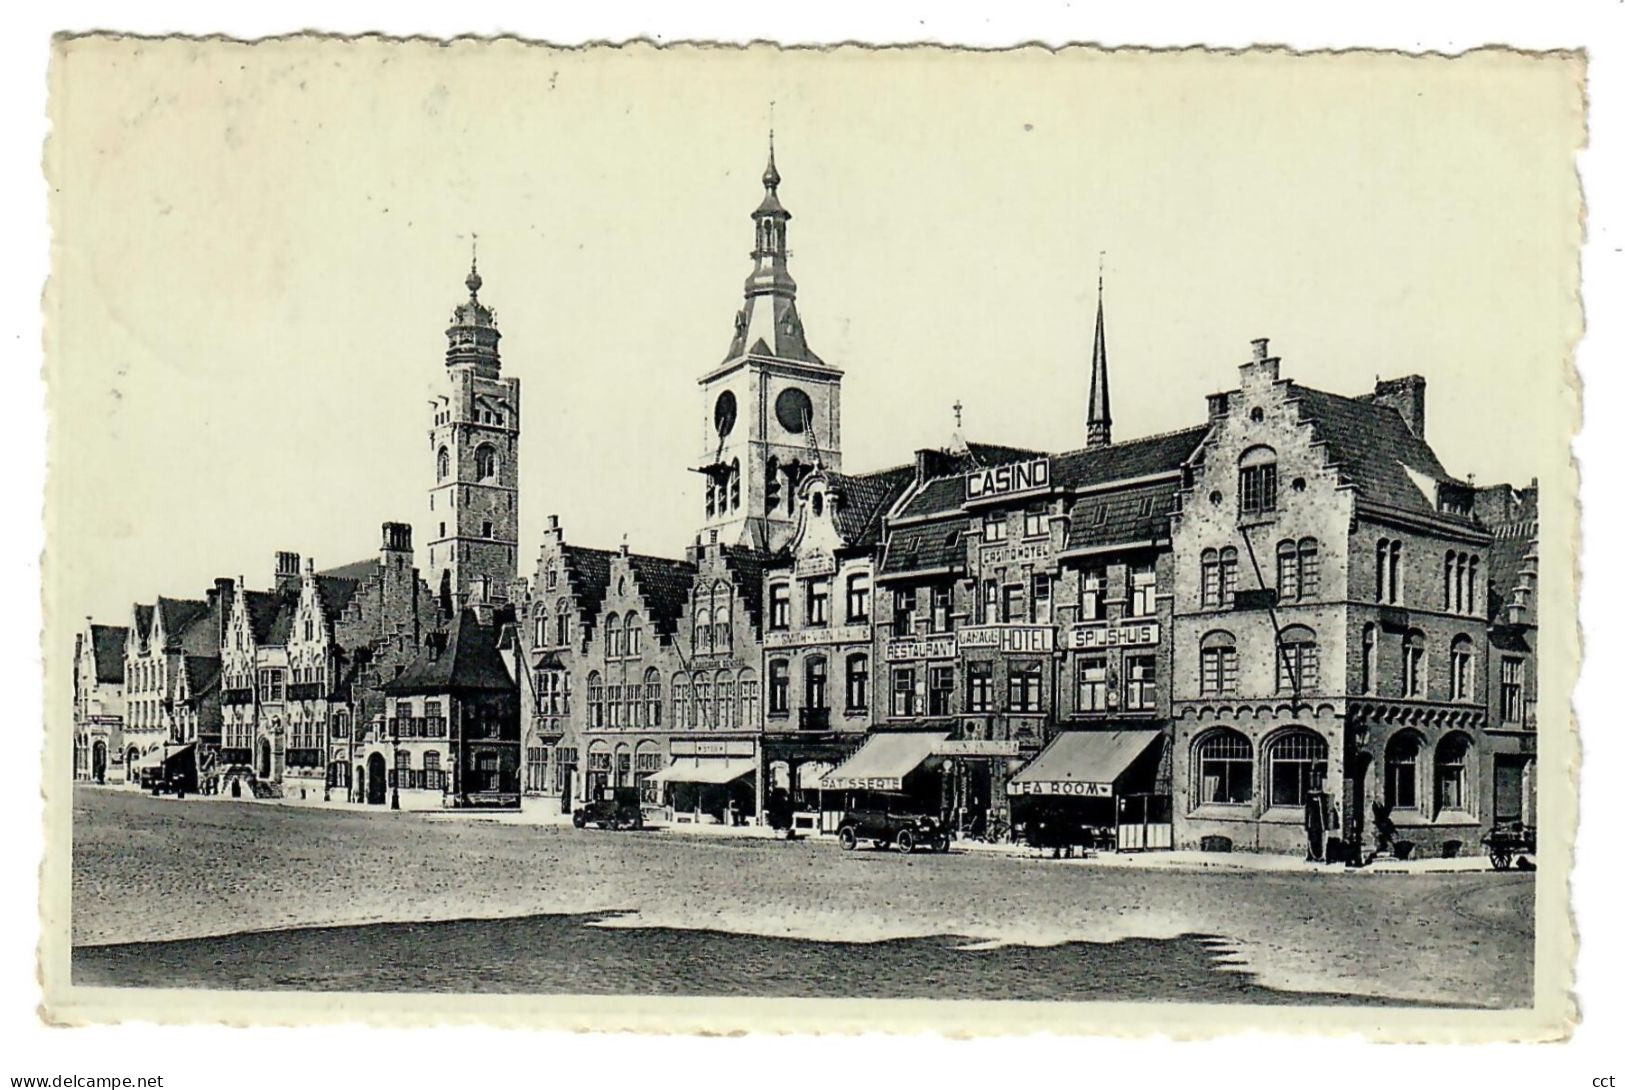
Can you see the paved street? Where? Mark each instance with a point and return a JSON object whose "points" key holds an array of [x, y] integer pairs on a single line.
{"points": [[148, 869]]}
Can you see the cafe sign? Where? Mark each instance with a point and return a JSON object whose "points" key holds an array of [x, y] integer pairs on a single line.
{"points": [[1077, 789], [1009, 638], [1032, 476], [941, 645], [1100, 635]]}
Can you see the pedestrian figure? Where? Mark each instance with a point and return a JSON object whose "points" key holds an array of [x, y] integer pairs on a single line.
{"points": [[1314, 824], [1383, 824]]}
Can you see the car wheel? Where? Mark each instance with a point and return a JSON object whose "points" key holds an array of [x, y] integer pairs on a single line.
{"points": [[848, 839], [578, 819], [905, 842]]}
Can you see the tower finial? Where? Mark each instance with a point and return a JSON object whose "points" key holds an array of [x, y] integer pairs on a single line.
{"points": [[473, 282], [770, 176]]}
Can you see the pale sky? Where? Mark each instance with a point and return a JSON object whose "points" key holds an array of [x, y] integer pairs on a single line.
{"points": [[258, 250]]}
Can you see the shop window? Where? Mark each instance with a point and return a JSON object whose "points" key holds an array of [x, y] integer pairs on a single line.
{"points": [[1092, 594], [1218, 664], [979, 686], [857, 682], [1142, 589], [1257, 481], [1139, 682], [1224, 768], [1512, 698], [1025, 687], [1450, 779], [1399, 770], [1091, 671], [1297, 766], [778, 606], [857, 598], [648, 763], [902, 692], [778, 687], [940, 693], [1461, 668], [1297, 661]]}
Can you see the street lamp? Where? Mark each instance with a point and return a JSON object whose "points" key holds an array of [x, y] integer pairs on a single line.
{"points": [[395, 759]]}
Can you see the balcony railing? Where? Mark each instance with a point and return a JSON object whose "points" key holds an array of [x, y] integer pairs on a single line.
{"points": [[813, 718]]}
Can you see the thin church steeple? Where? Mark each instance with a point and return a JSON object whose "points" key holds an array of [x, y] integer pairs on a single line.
{"points": [[1100, 400]]}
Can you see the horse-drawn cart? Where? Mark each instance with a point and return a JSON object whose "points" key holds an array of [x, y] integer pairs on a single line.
{"points": [[1506, 841]]}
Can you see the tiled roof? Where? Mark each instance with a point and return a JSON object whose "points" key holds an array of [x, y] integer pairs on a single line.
{"points": [[1122, 518], [464, 657], [202, 674], [866, 499], [665, 585], [270, 614], [1373, 448], [934, 497], [143, 621], [749, 566], [178, 614], [336, 593], [995, 454], [1510, 543], [587, 572], [107, 647], [1152, 455], [924, 548]]}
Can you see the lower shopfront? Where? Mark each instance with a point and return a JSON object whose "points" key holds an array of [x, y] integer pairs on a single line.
{"points": [[936, 771], [1097, 788], [685, 780]]}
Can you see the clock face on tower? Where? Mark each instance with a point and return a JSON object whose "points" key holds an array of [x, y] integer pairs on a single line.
{"points": [[794, 410], [727, 411]]}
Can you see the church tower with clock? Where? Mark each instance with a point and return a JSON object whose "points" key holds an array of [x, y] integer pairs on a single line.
{"points": [[474, 444], [772, 407]]}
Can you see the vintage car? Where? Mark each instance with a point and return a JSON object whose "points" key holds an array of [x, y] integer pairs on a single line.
{"points": [[615, 808], [886, 827]]}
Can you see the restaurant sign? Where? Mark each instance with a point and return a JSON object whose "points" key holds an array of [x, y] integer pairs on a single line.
{"points": [[941, 645], [1073, 788], [1009, 638], [695, 747], [1092, 636], [1006, 480]]}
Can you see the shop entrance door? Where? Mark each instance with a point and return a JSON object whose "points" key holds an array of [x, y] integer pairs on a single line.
{"points": [[567, 776], [1509, 790], [1145, 823], [98, 762], [375, 780]]}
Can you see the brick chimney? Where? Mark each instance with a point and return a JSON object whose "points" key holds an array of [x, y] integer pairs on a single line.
{"points": [[1218, 405], [1408, 397], [220, 600], [287, 570]]}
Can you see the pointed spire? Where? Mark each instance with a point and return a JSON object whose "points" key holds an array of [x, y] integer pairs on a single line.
{"points": [[1100, 401], [770, 176]]}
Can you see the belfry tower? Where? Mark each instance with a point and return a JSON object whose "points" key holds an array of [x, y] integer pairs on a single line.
{"points": [[474, 447], [772, 408]]}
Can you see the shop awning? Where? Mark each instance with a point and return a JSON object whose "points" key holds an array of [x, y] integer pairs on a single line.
{"points": [[1083, 763], [153, 758], [704, 770], [178, 752], [883, 762]]}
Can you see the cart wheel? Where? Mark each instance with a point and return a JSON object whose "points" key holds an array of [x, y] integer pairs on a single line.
{"points": [[905, 842], [1500, 858], [848, 839]]}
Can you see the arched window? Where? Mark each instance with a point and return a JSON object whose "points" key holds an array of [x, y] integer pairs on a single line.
{"points": [[1452, 786], [705, 713], [1368, 658], [682, 695], [1308, 567], [541, 629], [1297, 766], [857, 682], [623, 765], [722, 629], [1286, 570], [733, 485], [1223, 760], [816, 690], [1210, 580], [1472, 585], [1461, 668], [649, 762], [563, 626], [1297, 661], [442, 464], [1256, 481], [1227, 576], [702, 631], [778, 687], [633, 644], [485, 462], [612, 636], [1218, 663], [750, 702], [595, 699], [1452, 583], [725, 701], [651, 697], [1415, 666], [1399, 763], [1396, 572]]}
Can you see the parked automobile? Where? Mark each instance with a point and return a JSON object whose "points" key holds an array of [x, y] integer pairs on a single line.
{"points": [[885, 827], [159, 782], [615, 808]]}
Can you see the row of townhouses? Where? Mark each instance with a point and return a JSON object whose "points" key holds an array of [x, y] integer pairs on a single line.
{"points": [[1188, 639]]}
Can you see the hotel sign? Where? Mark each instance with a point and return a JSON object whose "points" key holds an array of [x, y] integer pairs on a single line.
{"points": [[1009, 638], [1016, 553], [1073, 788], [941, 645], [692, 747], [1093, 636], [1007, 480]]}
